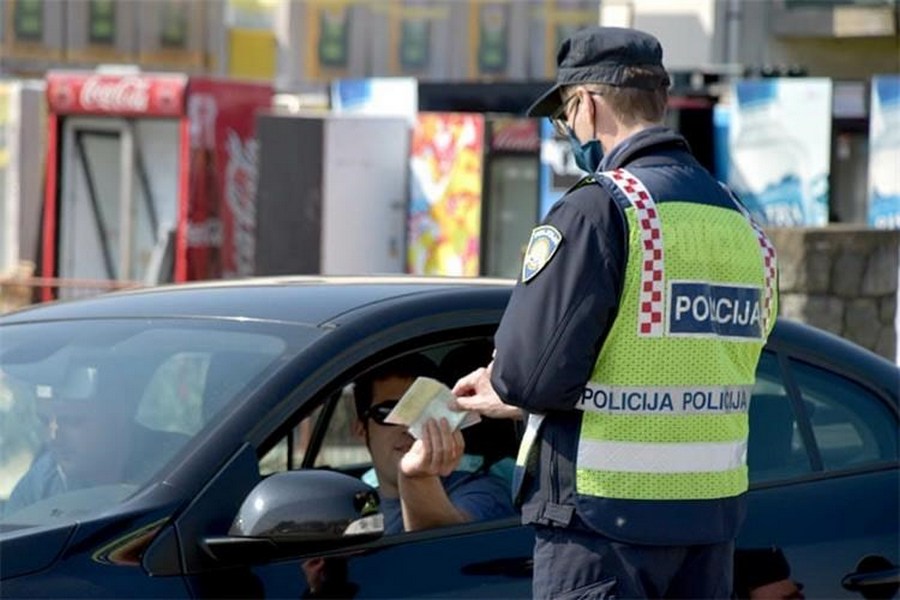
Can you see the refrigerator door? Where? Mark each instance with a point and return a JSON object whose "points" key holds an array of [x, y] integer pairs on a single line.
{"points": [[364, 195], [512, 210], [118, 197]]}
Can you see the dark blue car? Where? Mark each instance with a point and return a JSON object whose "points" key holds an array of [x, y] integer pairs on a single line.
{"points": [[195, 441]]}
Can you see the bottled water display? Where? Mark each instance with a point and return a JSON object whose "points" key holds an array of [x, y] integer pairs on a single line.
{"points": [[779, 143], [884, 153]]}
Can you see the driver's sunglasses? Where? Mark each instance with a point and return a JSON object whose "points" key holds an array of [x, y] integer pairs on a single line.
{"points": [[380, 411]]}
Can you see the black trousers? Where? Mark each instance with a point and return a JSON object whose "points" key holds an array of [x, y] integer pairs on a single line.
{"points": [[572, 564]]}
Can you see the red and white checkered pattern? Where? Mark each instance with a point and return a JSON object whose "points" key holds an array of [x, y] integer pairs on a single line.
{"points": [[769, 264], [651, 309], [769, 260]]}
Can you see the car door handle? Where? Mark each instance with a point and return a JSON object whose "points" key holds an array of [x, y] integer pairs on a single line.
{"points": [[858, 581], [875, 578]]}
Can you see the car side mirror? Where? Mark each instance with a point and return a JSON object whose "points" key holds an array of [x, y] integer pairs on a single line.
{"points": [[293, 513]]}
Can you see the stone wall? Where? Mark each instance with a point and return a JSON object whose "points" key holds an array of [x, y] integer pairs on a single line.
{"points": [[843, 279]]}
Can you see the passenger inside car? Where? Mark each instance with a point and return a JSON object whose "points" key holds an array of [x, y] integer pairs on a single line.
{"points": [[428, 482]]}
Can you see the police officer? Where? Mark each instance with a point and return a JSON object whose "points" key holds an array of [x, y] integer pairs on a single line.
{"points": [[631, 340]]}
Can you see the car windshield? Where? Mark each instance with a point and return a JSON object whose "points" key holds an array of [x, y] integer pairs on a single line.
{"points": [[91, 410]]}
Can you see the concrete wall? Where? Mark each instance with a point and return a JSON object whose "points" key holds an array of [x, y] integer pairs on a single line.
{"points": [[843, 279], [773, 35], [839, 58]]}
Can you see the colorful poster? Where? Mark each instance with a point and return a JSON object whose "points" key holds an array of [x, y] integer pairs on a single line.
{"points": [[884, 153], [779, 144], [446, 165]]}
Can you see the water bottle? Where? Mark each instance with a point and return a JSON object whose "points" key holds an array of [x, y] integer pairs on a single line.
{"points": [[768, 165], [884, 157]]}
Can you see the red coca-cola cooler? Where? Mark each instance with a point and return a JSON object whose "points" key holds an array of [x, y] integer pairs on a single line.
{"points": [[150, 178]]}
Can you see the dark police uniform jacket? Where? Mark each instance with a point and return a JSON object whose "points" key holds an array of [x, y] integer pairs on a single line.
{"points": [[554, 326]]}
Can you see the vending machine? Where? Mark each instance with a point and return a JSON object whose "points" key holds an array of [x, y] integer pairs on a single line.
{"points": [[512, 198], [473, 193], [331, 197], [884, 153], [22, 149], [779, 149], [150, 177]]}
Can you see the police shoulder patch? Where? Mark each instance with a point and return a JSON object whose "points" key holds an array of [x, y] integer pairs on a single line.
{"points": [[541, 247]]}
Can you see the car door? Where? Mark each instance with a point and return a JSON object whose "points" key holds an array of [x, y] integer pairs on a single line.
{"points": [[823, 459], [476, 560]]}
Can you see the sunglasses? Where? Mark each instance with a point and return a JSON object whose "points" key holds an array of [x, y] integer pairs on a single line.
{"points": [[560, 119], [380, 411]]}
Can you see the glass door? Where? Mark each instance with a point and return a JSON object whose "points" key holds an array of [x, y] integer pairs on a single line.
{"points": [[118, 200], [512, 209]]}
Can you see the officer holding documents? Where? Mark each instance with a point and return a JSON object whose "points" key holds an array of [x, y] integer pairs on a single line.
{"points": [[631, 341], [426, 482]]}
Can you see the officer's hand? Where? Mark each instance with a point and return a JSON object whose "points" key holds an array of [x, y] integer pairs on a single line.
{"points": [[437, 453], [475, 392]]}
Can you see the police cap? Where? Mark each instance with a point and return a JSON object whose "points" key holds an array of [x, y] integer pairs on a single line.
{"points": [[601, 55]]}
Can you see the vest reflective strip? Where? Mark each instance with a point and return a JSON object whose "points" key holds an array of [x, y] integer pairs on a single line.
{"points": [[712, 400], [652, 299], [661, 458], [663, 486]]}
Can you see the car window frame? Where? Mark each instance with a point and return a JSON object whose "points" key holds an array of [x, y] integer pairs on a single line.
{"points": [[785, 355], [873, 393], [330, 394]]}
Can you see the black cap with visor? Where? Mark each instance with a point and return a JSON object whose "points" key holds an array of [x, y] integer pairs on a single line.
{"points": [[602, 55]]}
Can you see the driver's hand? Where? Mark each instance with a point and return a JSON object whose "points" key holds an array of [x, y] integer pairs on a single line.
{"points": [[437, 453]]}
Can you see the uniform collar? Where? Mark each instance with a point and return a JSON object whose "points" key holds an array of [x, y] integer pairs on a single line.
{"points": [[658, 138]]}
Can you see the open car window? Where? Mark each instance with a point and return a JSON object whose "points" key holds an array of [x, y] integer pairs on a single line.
{"points": [[332, 435]]}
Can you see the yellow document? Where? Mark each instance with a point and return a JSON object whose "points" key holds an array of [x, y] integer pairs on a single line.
{"points": [[427, 399]]}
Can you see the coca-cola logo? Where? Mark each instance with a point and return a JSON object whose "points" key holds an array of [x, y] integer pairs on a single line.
{"points": [[126, 94], [240, 195]]}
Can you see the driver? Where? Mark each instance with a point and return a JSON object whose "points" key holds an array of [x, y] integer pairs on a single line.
{"points": [[92, 438], [422, 483]]}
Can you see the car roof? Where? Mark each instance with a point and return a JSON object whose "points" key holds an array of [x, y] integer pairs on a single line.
{"points": [[303, 300], [333, 300]]}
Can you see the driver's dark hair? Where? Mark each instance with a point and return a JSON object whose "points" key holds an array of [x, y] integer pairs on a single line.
{"points": [[408, 365]]}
